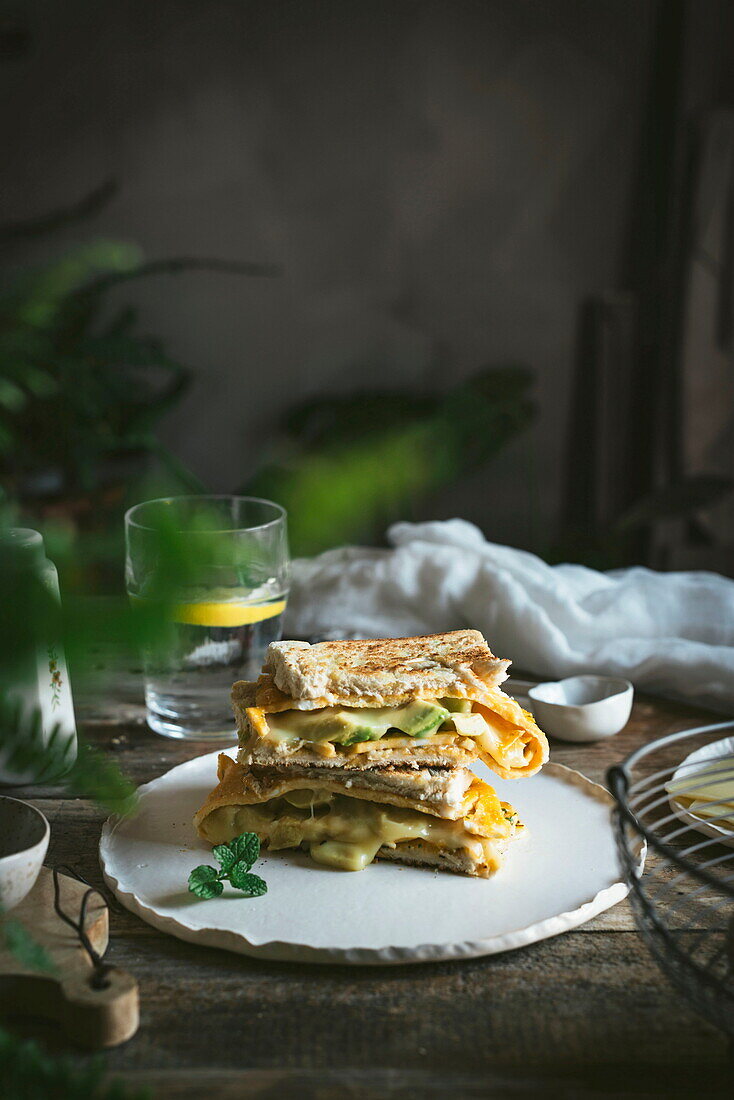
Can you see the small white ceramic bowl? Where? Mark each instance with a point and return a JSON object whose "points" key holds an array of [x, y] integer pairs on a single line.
{"points": [[582, 708], [24, 833]]}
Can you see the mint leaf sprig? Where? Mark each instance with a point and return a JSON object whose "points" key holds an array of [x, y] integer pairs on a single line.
{"points": [[235, 860]]}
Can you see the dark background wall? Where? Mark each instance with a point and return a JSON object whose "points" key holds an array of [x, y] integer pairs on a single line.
{"points": [[442, 183]]}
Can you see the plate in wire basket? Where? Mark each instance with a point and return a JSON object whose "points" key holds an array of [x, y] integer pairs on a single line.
{"points": [[684, 900], [558, 876], [701, 791]]}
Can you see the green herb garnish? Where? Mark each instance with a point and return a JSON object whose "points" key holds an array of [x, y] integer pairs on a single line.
{"points": [[235, 860]]}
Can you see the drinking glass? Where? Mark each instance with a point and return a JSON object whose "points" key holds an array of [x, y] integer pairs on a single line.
{"points": [[211, 574]]}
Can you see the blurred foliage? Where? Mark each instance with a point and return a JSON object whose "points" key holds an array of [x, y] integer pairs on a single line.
{"points": [[27, 950], [29, 610], [349, 466], [26, 750], [85, 624], [81, 394], [30, 616], [28, 1073], [72, 394], [79, 385]]}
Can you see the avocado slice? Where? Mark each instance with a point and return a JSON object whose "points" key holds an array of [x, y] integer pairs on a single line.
{"points": [[457, 706], [349, 725]]}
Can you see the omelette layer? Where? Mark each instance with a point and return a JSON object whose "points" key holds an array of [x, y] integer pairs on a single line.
{"points": [[348, 831], [491, 725]]}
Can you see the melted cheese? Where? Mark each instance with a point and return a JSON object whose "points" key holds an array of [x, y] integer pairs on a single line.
{"points": [[491, 737], [698, 786], [708, 794], [343, 832]]}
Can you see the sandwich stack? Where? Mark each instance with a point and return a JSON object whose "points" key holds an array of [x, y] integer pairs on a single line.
{"points": [[356, 750]]}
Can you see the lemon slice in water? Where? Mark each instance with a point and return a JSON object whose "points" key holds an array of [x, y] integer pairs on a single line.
{"points": [[205, 613]]}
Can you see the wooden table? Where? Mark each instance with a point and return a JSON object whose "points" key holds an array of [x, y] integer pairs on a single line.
{"points": [[585, 1013]]}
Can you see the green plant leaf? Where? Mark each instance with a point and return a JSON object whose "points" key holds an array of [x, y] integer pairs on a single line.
{"points": [[236, 859], [204, 882], [350, 466], [250, 884], [224, 856], [74, 390], [25, 948], [29, 750], [26, 747], [48, 295], [28, 1073], [122, 323], [94, 775], [245, 848], [12, 397]]}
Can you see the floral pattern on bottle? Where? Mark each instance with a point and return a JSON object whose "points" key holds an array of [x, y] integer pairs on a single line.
{"points": [[56, 681]]}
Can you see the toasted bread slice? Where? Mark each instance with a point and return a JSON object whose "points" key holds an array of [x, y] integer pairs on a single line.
{"points": [[439, 790], [385, 671], [240, 785], [264, 694]]}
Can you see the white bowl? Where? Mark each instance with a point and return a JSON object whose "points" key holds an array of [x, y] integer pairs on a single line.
{"points": [[582, 708], [24, 833]]}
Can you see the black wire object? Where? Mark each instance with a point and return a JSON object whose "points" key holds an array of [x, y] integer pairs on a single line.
{"points": [[100, 969], [683, 898]]}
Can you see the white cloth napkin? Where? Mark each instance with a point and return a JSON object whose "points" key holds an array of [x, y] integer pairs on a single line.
{"points": [[671, 633]]}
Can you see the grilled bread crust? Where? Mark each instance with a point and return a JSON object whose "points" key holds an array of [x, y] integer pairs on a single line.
{"points": [[383, 671], [482, 811], [417, 853]]}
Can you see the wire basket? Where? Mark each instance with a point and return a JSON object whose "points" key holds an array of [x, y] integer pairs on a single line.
{"points": [[683, 898]]}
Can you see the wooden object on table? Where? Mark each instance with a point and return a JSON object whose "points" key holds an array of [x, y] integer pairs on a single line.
{"points": [[91, 1017]]}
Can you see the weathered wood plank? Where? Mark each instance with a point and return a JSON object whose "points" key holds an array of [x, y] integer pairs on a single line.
{"points": [[624, 1080], [579, 1000]]}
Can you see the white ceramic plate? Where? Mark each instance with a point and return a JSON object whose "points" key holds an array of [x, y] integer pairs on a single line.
{"points": [[702, 760], [557, 877]]}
